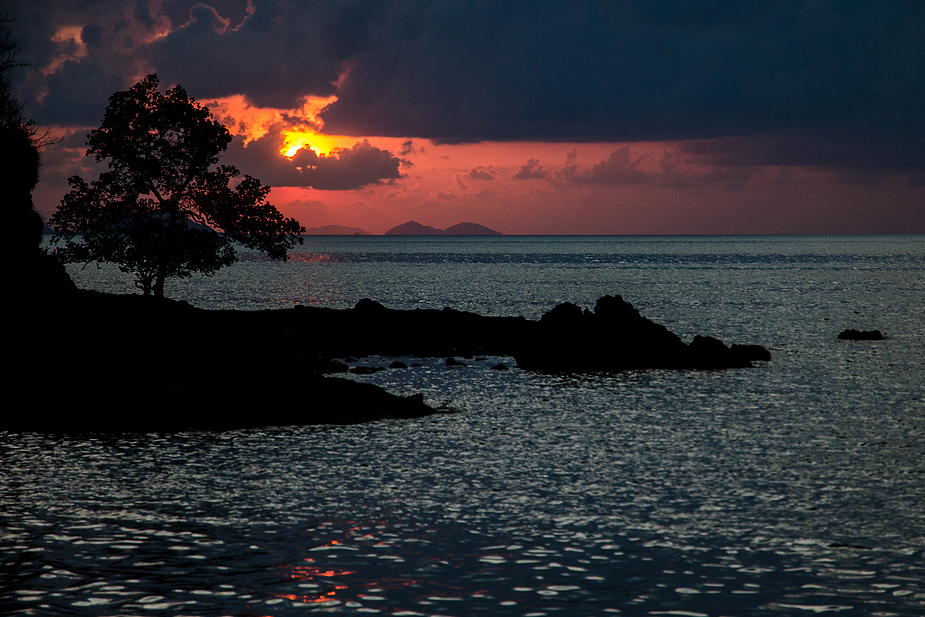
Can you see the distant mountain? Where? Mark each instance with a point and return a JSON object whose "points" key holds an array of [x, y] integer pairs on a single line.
{"points": [[335, 230], [413, 228], [470, 229]]}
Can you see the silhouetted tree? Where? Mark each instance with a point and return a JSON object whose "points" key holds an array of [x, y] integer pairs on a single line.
{"points": [[165, 208], [10, 109], [19, 167], [36, 276]]}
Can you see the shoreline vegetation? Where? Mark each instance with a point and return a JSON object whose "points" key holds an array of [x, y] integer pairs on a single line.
{"points": [[129, 363]]}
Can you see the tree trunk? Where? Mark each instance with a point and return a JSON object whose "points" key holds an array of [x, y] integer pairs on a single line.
{"points": [[166, 250], [158, 287]]}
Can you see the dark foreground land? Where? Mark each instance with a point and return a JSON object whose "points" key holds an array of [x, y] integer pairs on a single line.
{"points": [[130, 363]]}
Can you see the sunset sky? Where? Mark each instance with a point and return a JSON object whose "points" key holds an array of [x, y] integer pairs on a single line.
{"points": [[534, 117]]}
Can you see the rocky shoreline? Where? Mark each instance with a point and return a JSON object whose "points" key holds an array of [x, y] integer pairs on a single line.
{"points": [[111, 363]]}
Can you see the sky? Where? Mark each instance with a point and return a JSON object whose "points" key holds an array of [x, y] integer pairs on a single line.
{"points": [[528, 117]]}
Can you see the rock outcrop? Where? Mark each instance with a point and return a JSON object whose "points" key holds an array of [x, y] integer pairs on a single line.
{"points": [[132, 363], [615, 337], [129, 364]]}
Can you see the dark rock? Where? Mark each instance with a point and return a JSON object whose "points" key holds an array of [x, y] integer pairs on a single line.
{"points": [[710, 352], [398, 365], [499, 367], [177, 377], [369, 306], [861, 335], [567, 339], [451, 362], [562, 316], [616, 337], [173, 378], [370, 329], [615, 308]]}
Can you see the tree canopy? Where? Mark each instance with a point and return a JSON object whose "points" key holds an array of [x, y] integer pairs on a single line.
{"points": [[20, 161], [11, 115], [165, 207], [19, 145]]}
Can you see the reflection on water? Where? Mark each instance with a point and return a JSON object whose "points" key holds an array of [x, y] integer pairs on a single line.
{"points": [[643, 493], [512, 275], [792, 488], [299, 257]]}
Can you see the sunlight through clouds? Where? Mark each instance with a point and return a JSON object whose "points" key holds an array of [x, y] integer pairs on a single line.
{"points": [[253, 122], [300, 128]]}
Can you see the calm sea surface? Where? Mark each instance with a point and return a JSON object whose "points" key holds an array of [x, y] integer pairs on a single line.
{"points": [[793, 488]]}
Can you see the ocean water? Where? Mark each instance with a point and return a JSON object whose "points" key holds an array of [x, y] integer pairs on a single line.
{"points": [[796, 487]]}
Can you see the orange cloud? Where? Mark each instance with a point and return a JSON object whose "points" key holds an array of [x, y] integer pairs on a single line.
{"points": [[302, 124]]}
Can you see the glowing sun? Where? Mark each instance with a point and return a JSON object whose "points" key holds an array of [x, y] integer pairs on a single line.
{"points": [[295, 139]]}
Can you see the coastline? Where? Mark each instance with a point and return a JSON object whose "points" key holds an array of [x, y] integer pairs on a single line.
{"points": [[109, 363], [130, 363]]}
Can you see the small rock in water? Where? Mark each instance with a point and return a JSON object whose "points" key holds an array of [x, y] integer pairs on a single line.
{"points": [[454, 362], [861, 335]]}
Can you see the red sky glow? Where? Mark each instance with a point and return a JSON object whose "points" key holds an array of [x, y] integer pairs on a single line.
{"points": [[515, 117]]}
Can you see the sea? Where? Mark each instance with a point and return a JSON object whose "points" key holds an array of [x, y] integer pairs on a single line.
{"points": [[795, 487]]}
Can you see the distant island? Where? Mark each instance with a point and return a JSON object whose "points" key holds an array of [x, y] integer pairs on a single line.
{"points": [[413, 228], [336, 230]]}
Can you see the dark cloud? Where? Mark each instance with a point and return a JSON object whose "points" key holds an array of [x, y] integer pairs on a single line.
{"points": [[345, 169], [203, 19], [78, 97], [673, 171], [81, 53], [644, 71], [409, 147], [482, 173], [866, 149], [92, 36], [359, 166], [531, 171], [620, 168], [845, 78], [277, 55]]}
